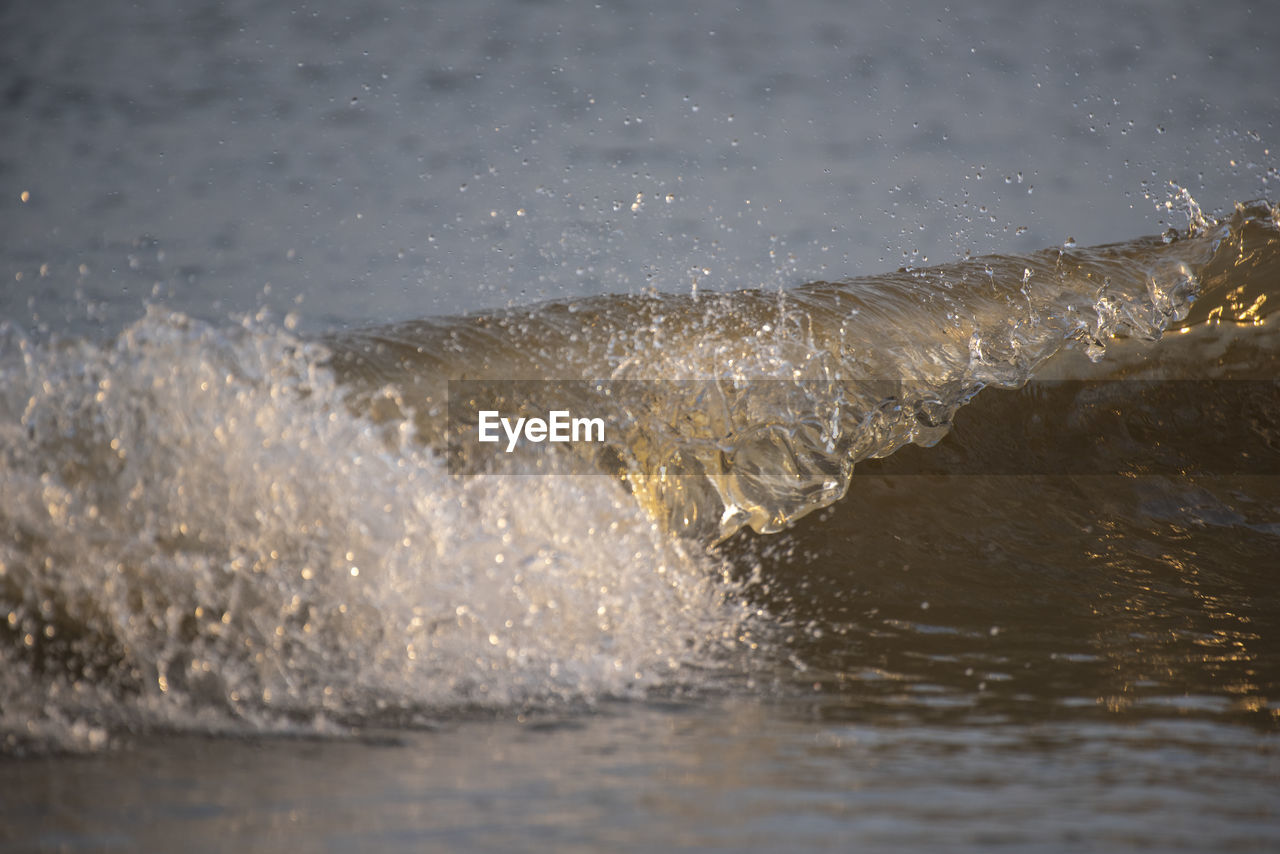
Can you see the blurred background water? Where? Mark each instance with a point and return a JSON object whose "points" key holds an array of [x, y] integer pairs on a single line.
{"points": [[380, 160]]}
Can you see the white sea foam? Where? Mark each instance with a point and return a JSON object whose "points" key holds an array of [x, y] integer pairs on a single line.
{"points": [[196, 530]]}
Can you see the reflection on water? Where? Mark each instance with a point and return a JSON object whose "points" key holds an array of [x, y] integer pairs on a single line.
{"points": [[899, 604]]}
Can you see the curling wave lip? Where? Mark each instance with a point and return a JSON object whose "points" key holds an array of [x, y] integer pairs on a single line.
{"points": [[759, 405]]}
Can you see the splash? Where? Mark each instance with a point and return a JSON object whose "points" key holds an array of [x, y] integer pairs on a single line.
{"points": [[197, 533]]}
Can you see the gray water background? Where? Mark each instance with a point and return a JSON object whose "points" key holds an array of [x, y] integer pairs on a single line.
{"points": [[375, 161]]}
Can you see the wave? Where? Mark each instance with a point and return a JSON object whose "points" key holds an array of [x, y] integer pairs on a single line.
{"points": [[794, 388], [237, 528]]}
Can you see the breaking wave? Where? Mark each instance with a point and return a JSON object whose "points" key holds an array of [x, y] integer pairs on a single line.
{"points": [[240, 529]]}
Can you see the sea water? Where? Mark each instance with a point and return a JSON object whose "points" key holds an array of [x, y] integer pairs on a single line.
{"points": [[918, 534]]}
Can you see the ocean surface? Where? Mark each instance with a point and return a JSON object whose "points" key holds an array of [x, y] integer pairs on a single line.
{"points": [[938, 506]]}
